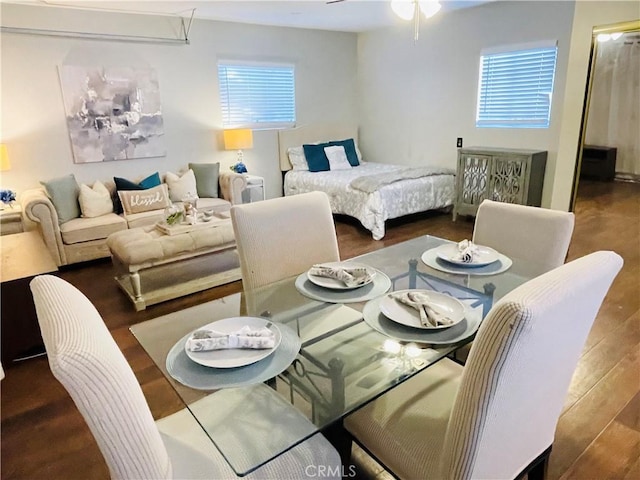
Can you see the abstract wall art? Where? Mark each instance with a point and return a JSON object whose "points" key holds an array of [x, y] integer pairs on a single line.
{"points": [[113, 113]]}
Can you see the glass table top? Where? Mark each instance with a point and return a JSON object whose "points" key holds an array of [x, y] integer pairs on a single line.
{"points": [[343, 362]]}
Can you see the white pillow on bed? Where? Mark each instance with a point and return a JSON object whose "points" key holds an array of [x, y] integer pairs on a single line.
{"points": [[297, 158], [337, 158]]}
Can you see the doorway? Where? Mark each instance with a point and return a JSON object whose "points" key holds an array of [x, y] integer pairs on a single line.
{"points": [[609, 147]]}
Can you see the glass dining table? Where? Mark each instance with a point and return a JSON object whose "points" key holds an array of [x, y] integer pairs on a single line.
{"points": [[337, 351]]}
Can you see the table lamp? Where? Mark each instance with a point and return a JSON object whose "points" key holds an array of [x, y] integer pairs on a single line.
{"points": [[238, 139], [5, 164]]}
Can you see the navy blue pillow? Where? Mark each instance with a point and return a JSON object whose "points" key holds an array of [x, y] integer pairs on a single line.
{"points": [[151, 181], [124, 184], [316, 158], [349, 148]]}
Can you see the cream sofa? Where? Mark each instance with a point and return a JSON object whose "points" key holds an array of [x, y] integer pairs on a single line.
{"points": [[83, 239]]}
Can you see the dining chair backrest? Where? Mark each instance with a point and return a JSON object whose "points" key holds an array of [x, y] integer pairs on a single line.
{"points": [[281, 237], [84, 357], [519, 369], [539, 235]]}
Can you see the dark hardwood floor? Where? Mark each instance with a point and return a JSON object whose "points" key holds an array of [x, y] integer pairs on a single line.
{"points": [[598, 437]]}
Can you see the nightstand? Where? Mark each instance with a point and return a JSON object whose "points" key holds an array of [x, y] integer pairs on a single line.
{"points": [[254, 191], [11, 220]]}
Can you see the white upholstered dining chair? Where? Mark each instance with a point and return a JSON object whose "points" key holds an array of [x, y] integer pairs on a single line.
{"points": [[84, 357], [537, 234], [284, 236], [496, 416]]}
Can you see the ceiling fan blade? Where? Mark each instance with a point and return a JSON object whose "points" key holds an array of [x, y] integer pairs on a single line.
{"points": [[329, 2]]}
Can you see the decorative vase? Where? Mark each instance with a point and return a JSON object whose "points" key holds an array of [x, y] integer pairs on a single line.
{"points": [[7, 197], [173, 214], [189, 202]]}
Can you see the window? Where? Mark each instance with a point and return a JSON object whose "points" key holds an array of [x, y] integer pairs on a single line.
{"points": [[257, 95], [515, 88]]}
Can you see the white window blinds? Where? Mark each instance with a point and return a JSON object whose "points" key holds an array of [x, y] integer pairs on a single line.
{"points": [[515, 88], [257, 95]]}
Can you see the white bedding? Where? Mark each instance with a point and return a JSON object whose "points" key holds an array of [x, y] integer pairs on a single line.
{"points": [[373, 209]]}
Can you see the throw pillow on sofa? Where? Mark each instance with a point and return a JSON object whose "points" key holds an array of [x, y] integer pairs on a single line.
{"points": [[137, 201], [63, 192], [206, 178], [95, 201], [151, 181], [181, 186]]}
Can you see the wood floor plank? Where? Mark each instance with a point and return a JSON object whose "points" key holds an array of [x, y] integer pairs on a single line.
{"points": [[634, 470], [608, 456], [582, 423], [621, 339]]}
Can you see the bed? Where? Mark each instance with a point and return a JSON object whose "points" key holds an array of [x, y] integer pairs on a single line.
{"points": [[370, 192]]}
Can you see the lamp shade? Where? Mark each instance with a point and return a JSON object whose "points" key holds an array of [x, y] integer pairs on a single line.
{"points": [[5, 164], [238, 139]]}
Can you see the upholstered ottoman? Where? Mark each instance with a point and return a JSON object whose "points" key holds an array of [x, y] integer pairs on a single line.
{"points": [[152, 267]]}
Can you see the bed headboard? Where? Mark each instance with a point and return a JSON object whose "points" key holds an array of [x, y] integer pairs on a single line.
{"points": [[294, 137]]}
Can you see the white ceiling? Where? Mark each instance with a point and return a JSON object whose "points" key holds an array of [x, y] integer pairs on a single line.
{"points": [[347, 15]]}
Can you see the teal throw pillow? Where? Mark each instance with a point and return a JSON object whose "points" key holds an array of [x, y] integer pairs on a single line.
{"points": [[151, 181], [316, 158], [350, 149], [64, 192], [206, 179]]}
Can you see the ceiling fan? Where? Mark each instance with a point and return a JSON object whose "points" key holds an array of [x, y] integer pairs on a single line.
{"points": [[409, 10], [405, 8]]}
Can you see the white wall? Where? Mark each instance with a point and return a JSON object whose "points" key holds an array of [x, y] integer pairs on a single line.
{"points": [[416, 99], [587, 16], [33, 118]]}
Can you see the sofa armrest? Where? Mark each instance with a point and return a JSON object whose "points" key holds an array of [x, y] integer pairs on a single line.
{"points": [[37, 207], [231, 186]]}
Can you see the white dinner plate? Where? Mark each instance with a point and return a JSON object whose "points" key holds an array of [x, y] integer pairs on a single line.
{"points": [[234, 357], [484, 256], [335, 284], [378, 321], [410, 317]]}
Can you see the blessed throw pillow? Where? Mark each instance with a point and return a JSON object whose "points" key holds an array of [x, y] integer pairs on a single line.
{"points": [[151, 181], [337, 158], [180, 187], [95, 201], [206, 178], [350, 149], [297, 158], [63, 192], [137, 201], [316, 158]]}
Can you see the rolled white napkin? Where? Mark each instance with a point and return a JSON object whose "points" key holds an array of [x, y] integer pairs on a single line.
{"points": [[204, 340], [467, 251], [429, 317], [350, 276]]}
